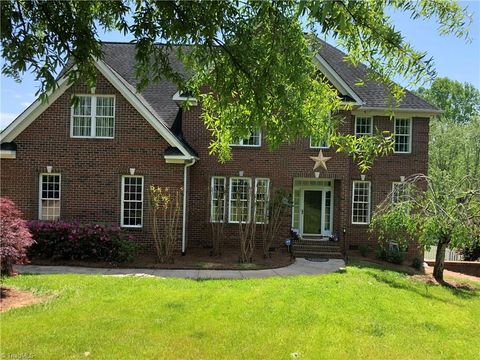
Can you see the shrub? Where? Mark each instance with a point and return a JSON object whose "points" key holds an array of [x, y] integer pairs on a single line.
{"points": [[417, 263], [165, 206], [74, 241], [364, 249], [14, 236], [471, 253], [395, 256]]}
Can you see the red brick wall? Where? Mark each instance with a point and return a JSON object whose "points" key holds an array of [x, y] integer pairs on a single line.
{"points": [[91, 169], [290, 161]]}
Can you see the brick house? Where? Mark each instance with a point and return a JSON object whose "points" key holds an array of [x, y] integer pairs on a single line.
{"points": [[94, 161]]}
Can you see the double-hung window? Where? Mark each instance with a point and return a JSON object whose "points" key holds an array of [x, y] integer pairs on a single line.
{"points": [[318, 143], [361, 202], [239, 199], [363, 126], [254, 140], [132, 201], [93, 116], [262, 197], [399, 192], [403, 135], [49, 203], [218, 199]]}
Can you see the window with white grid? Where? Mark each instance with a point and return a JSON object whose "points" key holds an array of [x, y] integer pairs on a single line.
{"points": [[93, 116], [399, 192], [318, 143], [262, 196], [49, 204], [403, 135], [132, 201], [253, 140], [218, 199], [239, 200], [361, 202], [363, 126]]}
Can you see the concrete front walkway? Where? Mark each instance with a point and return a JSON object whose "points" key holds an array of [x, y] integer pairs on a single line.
{"points": [[300, 267]]}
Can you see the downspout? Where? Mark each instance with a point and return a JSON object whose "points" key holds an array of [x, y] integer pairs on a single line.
{"points": [[184, 217]]}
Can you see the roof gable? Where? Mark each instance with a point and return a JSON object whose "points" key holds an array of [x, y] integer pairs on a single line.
{"points": [[372, 94], [127, 91]]}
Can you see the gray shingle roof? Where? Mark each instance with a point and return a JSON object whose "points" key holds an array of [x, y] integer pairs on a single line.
{"points": [[121, 58], [373, 94]]}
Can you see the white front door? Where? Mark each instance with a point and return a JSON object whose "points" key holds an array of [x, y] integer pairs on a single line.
{"points": [[316, 212], [312, 213]]}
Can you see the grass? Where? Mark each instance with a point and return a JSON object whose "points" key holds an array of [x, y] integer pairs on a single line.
{"points": [[364, 312]]}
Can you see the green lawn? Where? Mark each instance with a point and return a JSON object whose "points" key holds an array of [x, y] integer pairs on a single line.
{"points": [[363, 312]]}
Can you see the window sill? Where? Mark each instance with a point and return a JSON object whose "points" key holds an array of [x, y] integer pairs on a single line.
{"points": [[92, 137]]}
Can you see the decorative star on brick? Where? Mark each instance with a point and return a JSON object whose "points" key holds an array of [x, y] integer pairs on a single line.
{"points": [[320, 160]]}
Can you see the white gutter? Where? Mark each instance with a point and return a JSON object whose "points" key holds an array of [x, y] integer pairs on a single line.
{"points": [[184, 217]]}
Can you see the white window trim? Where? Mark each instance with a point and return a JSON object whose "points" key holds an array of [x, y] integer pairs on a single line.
{"points": [[40, 183], [369, 201], [409, 134], [267, 200], [212, 182], [371, 127], [318, 147], [249, 180], [122, 191], [241, 144], [179, 99], [393, 190], [93, 117]]}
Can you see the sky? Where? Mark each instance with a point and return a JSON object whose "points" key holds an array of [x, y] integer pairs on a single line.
{"points": [[454, 58]]}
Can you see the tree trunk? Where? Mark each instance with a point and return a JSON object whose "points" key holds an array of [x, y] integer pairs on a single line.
{"points": [[440, 261]]}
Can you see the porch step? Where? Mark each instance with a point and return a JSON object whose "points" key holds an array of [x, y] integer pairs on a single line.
{"points": [[315, 248], [316, 254]]}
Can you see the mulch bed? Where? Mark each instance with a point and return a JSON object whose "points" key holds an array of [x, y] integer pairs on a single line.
{"points": [[194, 259], [13, 298]]}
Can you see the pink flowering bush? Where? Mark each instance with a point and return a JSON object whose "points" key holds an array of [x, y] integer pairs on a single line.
{"points": [[14, 236], [75, 241]]}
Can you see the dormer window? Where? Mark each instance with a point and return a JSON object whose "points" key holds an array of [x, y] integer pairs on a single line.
{"points": [[93, 116], [254, 140]]}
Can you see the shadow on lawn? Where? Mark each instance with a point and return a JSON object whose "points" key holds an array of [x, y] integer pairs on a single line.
{"points": [[409, 284]]}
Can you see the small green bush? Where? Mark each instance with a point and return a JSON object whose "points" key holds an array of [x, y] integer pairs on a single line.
{"points": [[393, 256], [417, 263], [364, 250]]}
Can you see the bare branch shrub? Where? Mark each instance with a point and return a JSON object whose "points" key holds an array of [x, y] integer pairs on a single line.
{"points": [[271, 218], [165, 208], [246, 226], [217, 218]]}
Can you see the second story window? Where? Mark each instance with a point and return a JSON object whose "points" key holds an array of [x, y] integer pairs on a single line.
{"points": [[318, 143], [253, 140], [403, 135], [93, 116], [363, 126]]}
